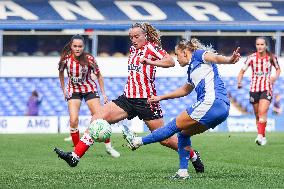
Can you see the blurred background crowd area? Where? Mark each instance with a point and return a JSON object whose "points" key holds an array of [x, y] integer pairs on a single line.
{"points": [[42, 44]]}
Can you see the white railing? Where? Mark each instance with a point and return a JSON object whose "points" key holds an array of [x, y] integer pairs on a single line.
{"points": [[110, 67]]}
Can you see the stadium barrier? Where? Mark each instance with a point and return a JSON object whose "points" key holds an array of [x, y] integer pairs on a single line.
{"points": [[48, 67], [135, 124], [54, 124], [29, 124], [245, 123], [60, 124]]}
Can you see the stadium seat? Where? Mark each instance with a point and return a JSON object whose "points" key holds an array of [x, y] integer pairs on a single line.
{"points": [[13, 99], [8, 53], [103, 54], [38, 53], [23, 54], [53, 53], [118, 54]]}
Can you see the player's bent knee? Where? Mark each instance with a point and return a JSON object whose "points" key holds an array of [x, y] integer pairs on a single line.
{"points": [[107, 116], [167, 142]]}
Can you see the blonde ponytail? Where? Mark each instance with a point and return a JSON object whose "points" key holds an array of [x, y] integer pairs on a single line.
{"points": [[192, 45]]}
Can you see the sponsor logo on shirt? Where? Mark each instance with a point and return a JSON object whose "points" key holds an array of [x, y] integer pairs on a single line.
{"points": [[132, 67], [260, 73], [77, 80]]}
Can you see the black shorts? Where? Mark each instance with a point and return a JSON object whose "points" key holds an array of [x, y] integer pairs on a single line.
{"points": [[86, 96], [139, 107], [254, 97]]}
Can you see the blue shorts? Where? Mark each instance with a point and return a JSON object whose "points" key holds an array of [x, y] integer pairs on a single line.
{"points": [[209, 114]]}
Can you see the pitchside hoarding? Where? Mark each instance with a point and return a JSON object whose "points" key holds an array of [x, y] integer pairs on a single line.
{"points": [[135, 124], [54, 124], [29, 124]]}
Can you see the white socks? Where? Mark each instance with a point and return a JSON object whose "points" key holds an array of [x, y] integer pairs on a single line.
{"points": [[75, 156], [108, 145], [182, 172], [138, 141]]}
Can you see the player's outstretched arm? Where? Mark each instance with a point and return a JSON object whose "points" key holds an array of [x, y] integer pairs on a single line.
{"points": [[166, 62], [180, 92], [220, 59]]}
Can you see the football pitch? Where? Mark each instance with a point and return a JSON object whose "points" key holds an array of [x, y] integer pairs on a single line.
{"points": [[232, 160]]}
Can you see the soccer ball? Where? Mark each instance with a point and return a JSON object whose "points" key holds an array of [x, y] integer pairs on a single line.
{"points": [[100, 130]]}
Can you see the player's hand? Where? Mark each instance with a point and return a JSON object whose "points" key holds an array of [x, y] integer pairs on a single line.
{"points": [[235, 56], [105, 99], [66, 96], [240, 85], [272, 79], [145, 61], [154, 99]]}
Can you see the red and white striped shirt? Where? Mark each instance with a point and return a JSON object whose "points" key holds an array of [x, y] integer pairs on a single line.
{"points": [[79, 77], [141, 77], [261, 71]]}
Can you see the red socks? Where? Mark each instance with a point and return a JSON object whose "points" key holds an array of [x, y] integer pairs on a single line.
{"points": [[75, 135], [191, 153], [107, 141], [261, 128], [83, 145]]}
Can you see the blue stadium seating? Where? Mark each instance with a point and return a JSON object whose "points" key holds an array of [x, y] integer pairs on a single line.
{"points": [[16, 91]]}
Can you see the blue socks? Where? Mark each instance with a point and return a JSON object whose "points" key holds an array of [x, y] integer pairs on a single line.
{"points": [[162, 133], [184, 155]]}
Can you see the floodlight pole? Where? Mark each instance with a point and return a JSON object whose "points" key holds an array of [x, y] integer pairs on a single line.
{"points": [[95, 45], [1, 50], [278, 43], [187, 35]]}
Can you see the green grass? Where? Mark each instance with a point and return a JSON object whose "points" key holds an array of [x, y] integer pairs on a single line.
{"points": [[231, 161]]}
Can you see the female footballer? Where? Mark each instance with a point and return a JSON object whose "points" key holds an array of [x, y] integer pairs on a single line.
{"points": [[261, 63], [210, 109], [80, 85]]}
